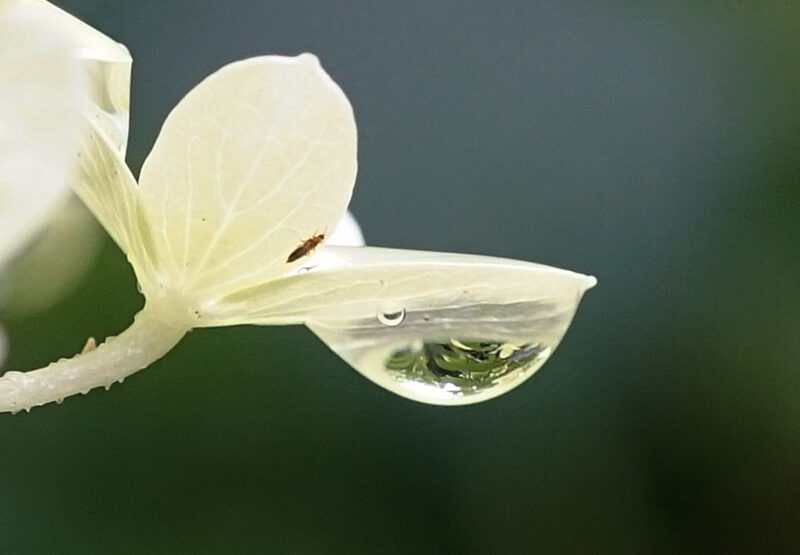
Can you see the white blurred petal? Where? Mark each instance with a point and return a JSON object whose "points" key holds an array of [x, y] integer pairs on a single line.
{"points": [[54, 261], [41, 96], [256, 159], [105, 62], [434, 327], [347, 233], [61, 79]]}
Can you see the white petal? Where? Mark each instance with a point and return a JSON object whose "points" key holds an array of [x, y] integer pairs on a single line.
{"points": [[61, 78], [434, 327], [348, 233], [40, 99], [54, 261], [106, 63], [256, 159]]}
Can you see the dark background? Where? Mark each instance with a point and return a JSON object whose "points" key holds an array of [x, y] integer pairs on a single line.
{"points": [[652, 144]]}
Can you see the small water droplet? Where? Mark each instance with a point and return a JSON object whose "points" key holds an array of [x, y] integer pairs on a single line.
{"points": [[391, 315], [139, 287]]}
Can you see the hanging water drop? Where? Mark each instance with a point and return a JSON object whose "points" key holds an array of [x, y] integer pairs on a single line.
{"points": [[450, 355]]}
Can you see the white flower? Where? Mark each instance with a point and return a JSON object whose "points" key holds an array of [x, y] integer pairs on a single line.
{"points": [[254, 162]]}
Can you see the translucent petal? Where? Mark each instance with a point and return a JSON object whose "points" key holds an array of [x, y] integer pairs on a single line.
{"points": [[103, 180], [256, 159], [105, 184], [433, 327]]}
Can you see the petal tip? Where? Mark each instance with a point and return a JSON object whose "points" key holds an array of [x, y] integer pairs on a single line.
{"points": [[308, 58]]}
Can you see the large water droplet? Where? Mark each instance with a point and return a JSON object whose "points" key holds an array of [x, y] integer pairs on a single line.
{"points": [[450, 355]]}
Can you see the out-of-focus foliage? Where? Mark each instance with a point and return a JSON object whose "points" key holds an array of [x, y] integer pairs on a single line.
{"points": [[653, 144]]}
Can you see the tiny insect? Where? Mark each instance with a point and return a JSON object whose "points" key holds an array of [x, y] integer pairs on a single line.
{"points": [[306, 247]]}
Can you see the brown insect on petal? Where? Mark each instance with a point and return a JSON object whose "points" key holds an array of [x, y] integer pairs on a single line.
{"points": [[305, 247]]}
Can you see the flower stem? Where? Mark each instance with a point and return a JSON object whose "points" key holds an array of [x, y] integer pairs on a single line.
{"points": [[155, 330]]}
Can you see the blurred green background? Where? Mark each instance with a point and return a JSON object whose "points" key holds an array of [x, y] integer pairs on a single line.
{"points": [[652, 144]]}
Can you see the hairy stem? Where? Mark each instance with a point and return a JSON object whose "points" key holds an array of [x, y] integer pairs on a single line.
{"points": [[155, 330]]}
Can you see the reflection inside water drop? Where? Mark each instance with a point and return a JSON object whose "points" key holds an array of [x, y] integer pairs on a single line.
{"points": [[449, 355], [459, 365]]}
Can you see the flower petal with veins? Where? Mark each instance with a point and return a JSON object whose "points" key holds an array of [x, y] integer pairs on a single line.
{"points": [[352, 281], [103, 181], [257, 158]]}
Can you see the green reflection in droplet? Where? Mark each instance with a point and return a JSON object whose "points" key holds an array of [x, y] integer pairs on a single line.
{"points": [[465, 364]]}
